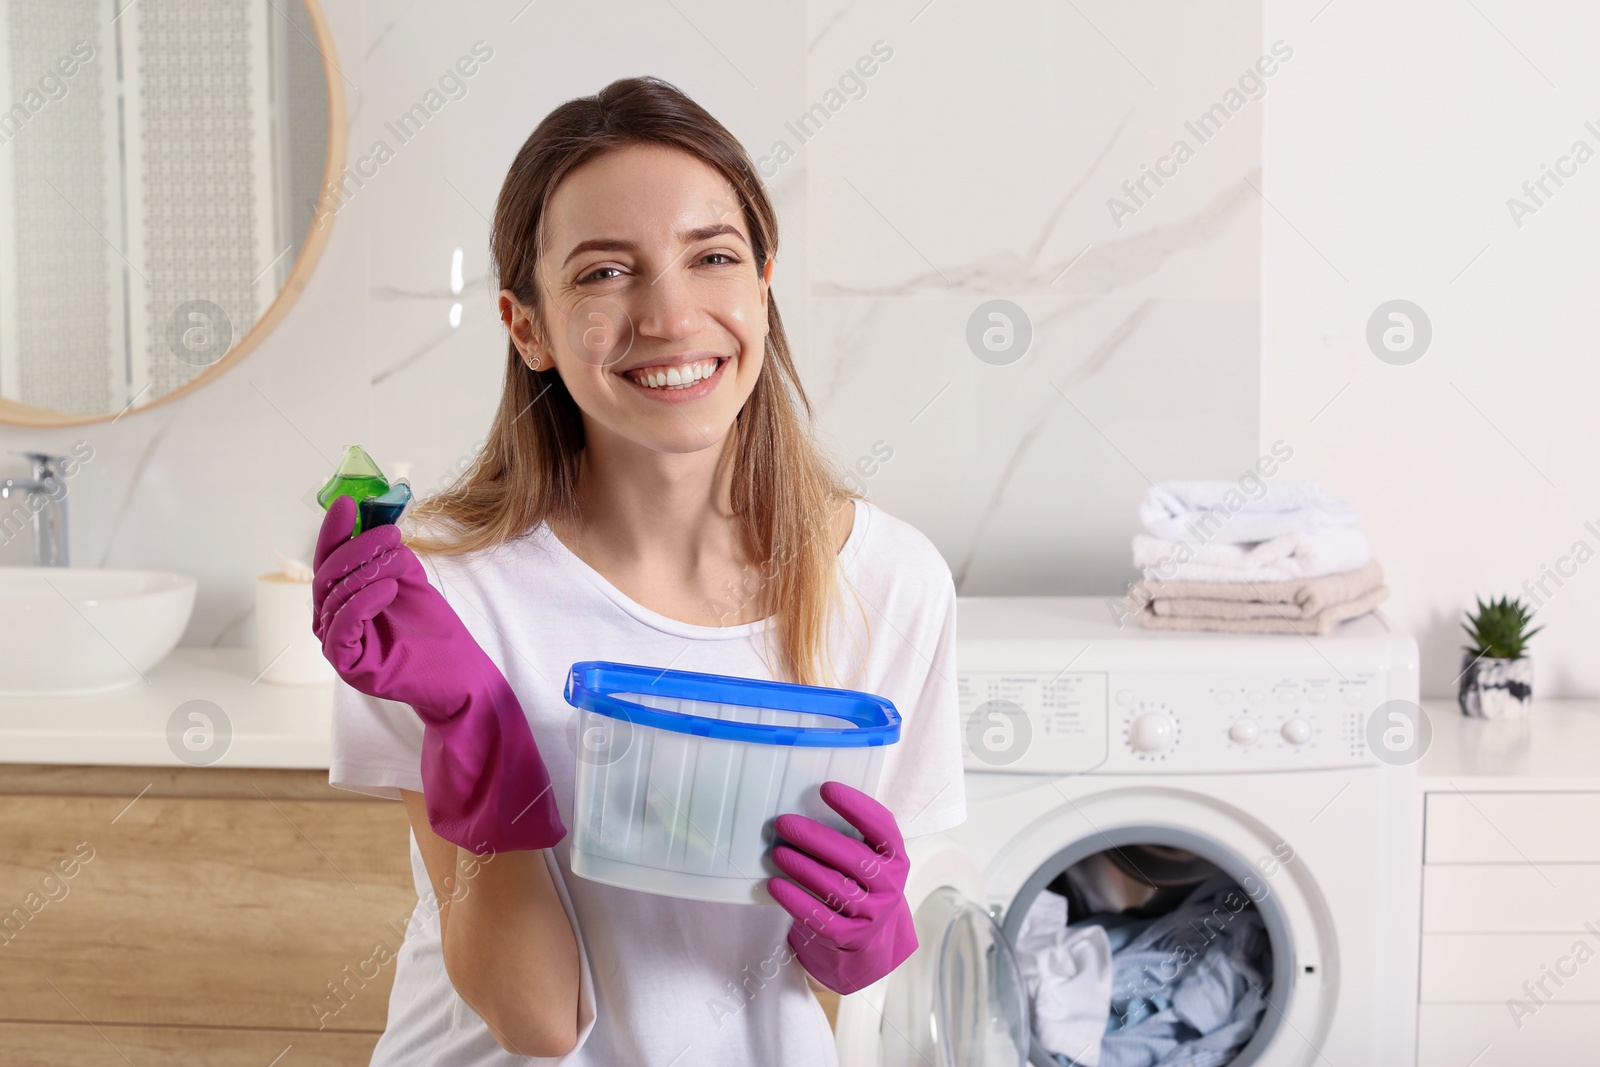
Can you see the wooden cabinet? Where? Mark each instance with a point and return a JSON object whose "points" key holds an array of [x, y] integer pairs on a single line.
{"points": [[1510, 929], [195, 916]]}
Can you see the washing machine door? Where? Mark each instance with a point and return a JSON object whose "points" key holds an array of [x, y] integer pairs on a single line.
{"points": [[959, 1000]]}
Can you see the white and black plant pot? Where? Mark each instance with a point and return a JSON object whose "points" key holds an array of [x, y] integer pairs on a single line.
{"points": [[1496, 688]]}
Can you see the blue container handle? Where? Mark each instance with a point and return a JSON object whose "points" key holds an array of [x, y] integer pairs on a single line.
{"points": [[593, 684]]}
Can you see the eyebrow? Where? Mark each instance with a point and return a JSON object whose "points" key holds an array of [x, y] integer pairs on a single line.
{"points": [[613, 244]]}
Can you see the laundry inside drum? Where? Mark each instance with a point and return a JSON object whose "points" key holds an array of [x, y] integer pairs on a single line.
{"points": [[1144, 956]]}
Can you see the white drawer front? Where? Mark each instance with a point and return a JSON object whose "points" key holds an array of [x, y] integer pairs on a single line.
{"points": [[1558, 1035], [1513, 828], [1506, 898], [1492, 968]]}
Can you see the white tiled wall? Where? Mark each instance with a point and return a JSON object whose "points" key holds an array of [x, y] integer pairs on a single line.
{"points": [[977, 164]]}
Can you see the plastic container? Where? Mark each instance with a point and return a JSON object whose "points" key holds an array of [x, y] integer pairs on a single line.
{"points": [[680, 775]]}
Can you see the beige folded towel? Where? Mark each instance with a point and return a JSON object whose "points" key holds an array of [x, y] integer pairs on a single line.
{"points": [[1309, 606], [1321, 623], [1300, 598]]}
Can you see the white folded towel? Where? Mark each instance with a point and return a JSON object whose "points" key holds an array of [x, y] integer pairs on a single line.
{"points": [[1301, 555], [1230, 513]]}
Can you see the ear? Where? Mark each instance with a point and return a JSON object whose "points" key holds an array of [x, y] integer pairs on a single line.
{"points": [[518, 318], [766, 280]]}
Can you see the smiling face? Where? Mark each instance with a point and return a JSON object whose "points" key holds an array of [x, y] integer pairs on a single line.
{"points": [[655, 310]]}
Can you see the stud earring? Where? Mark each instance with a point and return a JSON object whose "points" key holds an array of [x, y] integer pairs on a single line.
{"points": [[533, 364]]}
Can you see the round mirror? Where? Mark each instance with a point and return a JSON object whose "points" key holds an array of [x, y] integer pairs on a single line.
{"points": [[168, 175]]}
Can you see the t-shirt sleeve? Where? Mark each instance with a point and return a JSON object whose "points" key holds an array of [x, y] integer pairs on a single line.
{"points": [[377, 744], [923, 784]]}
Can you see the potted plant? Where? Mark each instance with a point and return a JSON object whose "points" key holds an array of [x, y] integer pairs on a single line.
{"points": [[1496, 677]]}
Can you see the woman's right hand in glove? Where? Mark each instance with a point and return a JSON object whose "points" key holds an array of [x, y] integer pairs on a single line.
{"points": [[390, 634]]}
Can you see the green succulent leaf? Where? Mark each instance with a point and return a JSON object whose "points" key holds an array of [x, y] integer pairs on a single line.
{"points": [[1499, 629]]}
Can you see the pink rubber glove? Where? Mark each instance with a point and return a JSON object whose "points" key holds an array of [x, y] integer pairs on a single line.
{"points": [[854, 925], [390, 634]]}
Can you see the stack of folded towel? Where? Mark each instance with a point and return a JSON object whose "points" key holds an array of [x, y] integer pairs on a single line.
{"points": [[1280, 558]]}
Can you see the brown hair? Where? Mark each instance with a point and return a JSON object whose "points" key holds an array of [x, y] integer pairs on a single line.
{"points": [[784, 491]]}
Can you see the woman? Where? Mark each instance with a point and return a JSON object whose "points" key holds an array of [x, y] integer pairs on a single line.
{"points": [[649, 492]]}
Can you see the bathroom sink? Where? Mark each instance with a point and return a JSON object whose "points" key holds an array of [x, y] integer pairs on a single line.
{"points": [[68, 631]]}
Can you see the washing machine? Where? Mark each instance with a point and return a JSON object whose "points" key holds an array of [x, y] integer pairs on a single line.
{"points": [[1282, 760]]}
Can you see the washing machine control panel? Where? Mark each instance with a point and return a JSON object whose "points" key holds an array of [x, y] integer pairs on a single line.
{"points": [[1071, 722], [1034, 723]]}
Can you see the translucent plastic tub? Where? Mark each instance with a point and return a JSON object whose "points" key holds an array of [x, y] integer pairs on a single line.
{"points": [[680, 775]]}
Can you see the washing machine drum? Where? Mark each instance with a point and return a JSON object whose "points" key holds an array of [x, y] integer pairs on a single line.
{"points": [[1177, 866], [960, 1000], [1161, 866]]}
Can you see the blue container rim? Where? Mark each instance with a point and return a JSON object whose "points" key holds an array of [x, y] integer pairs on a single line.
{"points": [[593, 684]]}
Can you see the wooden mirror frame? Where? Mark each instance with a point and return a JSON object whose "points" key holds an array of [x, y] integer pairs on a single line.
{"points": [[16, 413]]}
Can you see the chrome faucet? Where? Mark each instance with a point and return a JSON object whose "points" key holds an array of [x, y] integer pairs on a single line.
{"points": [[40, 501]]}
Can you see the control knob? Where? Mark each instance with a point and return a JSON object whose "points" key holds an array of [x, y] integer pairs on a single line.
{"points": [[1152, 732], [1244, 732], [1297, 731]]}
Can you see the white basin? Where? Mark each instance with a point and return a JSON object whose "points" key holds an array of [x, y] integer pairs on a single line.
{"points": [[66, 631]]}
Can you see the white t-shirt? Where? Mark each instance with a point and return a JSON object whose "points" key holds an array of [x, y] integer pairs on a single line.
{"points": [[664, 980]]}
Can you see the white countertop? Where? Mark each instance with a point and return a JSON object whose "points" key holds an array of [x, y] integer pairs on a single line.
{"points": [[272, 725], [1554, 748]]}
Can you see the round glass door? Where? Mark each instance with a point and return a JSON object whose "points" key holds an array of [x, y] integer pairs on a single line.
{"points": [[982, 1010], [959, 1000]]}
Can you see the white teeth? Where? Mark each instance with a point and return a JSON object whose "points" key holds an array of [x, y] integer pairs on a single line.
{"points": [[677, 377]]}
